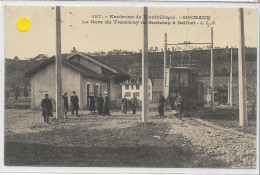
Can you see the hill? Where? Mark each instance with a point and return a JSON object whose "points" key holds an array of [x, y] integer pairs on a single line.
{"points": [[132, 63], [201, 59]]}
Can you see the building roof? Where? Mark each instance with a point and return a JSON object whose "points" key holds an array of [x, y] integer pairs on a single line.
{"points": [[99, 61], [72, 64], [108, 70]]}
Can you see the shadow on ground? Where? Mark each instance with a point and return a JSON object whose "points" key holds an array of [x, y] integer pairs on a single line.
{"points": [[134, 146]]}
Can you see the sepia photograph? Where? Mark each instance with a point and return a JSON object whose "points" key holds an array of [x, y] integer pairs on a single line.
{"points": [[130, 86]]}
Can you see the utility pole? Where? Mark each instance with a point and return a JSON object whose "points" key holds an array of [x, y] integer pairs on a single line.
{"points": [[58, 65], [231, 80], [212, 73], [243, 120], [170, 64], [228, 93], [164, 63], [145, 100]]}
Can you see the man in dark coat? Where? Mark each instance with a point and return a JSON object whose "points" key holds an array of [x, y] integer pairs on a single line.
{"points": [[100, 102], [74, 101], [134, 103], [124, 105], [179, 105], [92, 106], [65, 104], [171, 101], [161, 101], [106, 105], [46, 108]]}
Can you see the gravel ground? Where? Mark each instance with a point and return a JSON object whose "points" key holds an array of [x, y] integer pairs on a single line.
{"points": [[122, 140], [236, 148]]}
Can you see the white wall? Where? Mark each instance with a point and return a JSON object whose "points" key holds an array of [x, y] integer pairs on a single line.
{"points": [[133, 90], [43, 82]]}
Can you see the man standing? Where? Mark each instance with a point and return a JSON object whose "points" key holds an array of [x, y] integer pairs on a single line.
{"points": [[171, 102], [124, 105], [65, 104], [46, 108], [134, 103], [161, 101], [106, 105], [179, 105], [100, 101], [74, 101], [92, 106]]}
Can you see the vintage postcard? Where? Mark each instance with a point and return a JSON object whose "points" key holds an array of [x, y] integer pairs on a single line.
{"points": [[131, 86]]}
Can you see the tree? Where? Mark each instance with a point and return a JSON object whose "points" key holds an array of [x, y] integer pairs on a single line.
{"points": [[16, 58], [16, 93]]}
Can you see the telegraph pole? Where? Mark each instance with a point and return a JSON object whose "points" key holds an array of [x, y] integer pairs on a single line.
{"points": [[145, 100], [164, 63], [231, 80], [212, 73], [170, 62], [243, 120], [58, 65], [228, 92]]}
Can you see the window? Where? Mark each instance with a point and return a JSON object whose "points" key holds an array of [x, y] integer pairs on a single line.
{"points": [[149, 87], [137, 94], [128, 94], [149, 94], [126, 87], [137, 87], [132, 86]]}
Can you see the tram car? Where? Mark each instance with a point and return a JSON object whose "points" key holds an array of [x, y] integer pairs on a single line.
{"points": [[184, 80]]}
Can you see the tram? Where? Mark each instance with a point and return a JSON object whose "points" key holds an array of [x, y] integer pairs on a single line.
{"points": [[184, 80]]}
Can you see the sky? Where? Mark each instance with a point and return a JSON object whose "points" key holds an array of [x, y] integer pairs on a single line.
{"points": [[41, 38]]}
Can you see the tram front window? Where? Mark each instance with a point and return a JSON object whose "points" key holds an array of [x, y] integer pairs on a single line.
{"points": [[184, 78]]}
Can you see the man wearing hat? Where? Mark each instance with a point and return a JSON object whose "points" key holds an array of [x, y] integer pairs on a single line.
{"points": [[106, 105], [46, 108], [100, 102], [134, 103], [124, 105], [74, 101], [92, 106], [161, 101], [65, 104]]}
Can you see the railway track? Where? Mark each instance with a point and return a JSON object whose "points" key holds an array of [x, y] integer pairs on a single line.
{"points": [[206, 126]]}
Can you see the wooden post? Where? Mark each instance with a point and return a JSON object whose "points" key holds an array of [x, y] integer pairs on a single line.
{"points": [[243, 120], [231, 80], [212, 73], [58, 65], [228, 93], [145, 90], [170, 64], [164, 63]]}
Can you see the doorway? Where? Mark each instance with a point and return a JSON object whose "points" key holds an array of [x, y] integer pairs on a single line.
{"points": [[88, 94]]}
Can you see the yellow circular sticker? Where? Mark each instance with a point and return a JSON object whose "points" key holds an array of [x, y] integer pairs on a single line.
{"points": [[23, 24]]}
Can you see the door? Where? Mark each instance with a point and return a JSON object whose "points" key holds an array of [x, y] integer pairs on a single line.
{"points": [[88, 93]]}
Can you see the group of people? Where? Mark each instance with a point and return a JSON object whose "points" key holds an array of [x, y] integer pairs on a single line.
{"points": [[134, 103], [174, 101], [103, 105]]}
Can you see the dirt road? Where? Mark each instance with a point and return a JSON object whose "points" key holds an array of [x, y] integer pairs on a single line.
{"points": [[122, 140]]}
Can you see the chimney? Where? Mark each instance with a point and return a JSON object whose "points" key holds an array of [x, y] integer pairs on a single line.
{"points": [[74, 50]]}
